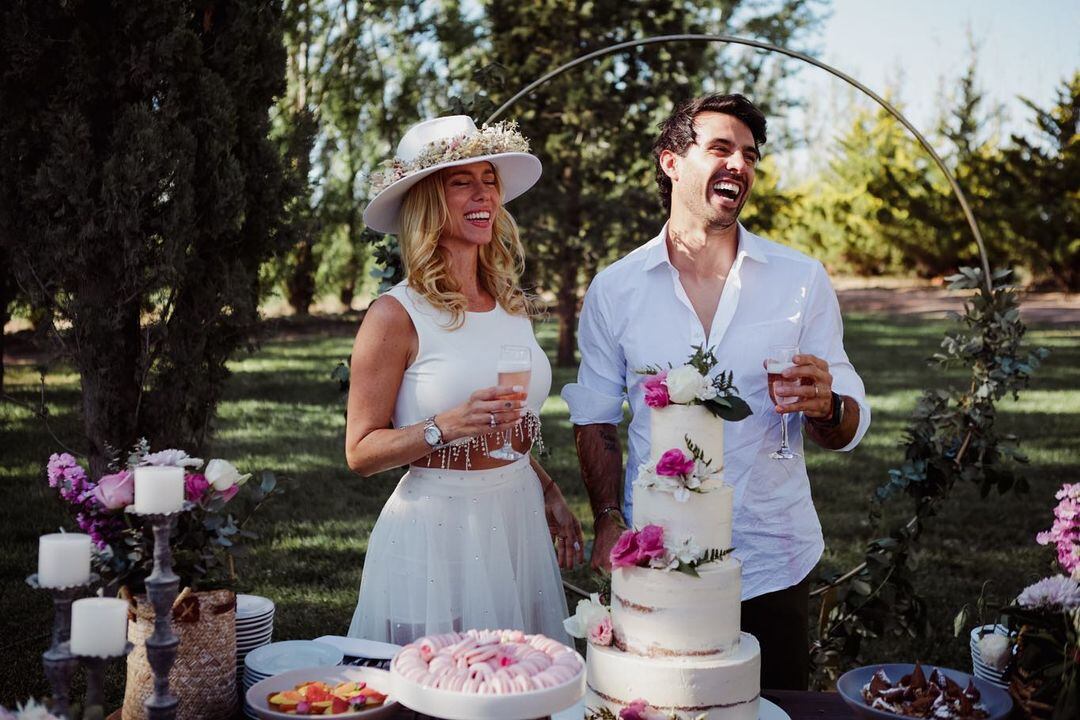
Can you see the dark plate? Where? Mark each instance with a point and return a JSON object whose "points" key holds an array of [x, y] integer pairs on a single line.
{"points": [[996, 701]]}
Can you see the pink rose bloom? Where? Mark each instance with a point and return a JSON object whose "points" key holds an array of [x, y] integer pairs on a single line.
{"points": [[115, 491], [195, 486], [674, 463], [656, 394], [625, 553], [650, 542], [228, 495], [641, 710], [600, 633]]}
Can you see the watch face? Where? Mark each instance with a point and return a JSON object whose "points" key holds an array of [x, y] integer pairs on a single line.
{"points": [[432, 435]]}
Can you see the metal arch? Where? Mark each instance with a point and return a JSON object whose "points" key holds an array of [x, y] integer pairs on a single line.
{"points": [[611, 49]]}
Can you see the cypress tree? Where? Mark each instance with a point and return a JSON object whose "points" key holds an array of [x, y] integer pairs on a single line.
{"points": [[139, 194]]}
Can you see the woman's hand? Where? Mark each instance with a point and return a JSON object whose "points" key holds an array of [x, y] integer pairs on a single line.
{"points": [[564, 527], [488, 410]]}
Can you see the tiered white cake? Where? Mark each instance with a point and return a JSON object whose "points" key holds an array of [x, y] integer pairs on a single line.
{"points": [[676, 639]]}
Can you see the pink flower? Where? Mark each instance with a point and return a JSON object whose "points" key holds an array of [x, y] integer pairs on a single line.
{"points": [[228, 495], [115, 491], [656, 392], [641, 710], [650, 543], [195, 486], [600, 633], [675, 463], [625, 553]]}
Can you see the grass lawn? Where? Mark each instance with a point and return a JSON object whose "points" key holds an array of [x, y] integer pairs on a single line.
{"points": [[283, 413]]}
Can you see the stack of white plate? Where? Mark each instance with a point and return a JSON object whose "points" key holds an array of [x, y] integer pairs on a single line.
{"points": [[979, 668], [279, 657], [254, 625]]}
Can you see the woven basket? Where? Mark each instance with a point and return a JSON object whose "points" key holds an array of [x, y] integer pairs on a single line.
{"points": [[1025, 687], [203, 677]]}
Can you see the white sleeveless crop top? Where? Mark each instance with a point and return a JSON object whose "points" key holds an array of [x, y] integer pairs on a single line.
{"points": [[452, 364]]}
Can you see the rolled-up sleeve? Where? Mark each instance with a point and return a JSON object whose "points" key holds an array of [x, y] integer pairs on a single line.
{"points": [[823, 335], [598, 395]]}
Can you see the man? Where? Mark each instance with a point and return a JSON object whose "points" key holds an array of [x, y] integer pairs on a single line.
{"points": [[706, 280]]}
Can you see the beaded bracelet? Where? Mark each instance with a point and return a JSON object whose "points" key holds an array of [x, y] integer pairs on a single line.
{"points": [[604, 511]]}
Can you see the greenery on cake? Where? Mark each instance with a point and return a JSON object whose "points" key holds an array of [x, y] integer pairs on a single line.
{"points": [[693, 384]]}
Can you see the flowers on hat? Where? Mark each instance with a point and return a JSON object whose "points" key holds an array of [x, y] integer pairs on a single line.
{"points": [[502, 137]]}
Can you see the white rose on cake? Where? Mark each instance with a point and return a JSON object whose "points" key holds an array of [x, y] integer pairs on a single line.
{"points": [[684, 384]]}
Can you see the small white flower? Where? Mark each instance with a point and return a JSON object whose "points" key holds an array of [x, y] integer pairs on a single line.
{"points": [[707, 391], [223, 475], [171, 458], [683, 384], [994, 650]]}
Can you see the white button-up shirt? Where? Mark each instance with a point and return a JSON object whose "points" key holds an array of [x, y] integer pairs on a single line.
{"points": [[636, 313]]}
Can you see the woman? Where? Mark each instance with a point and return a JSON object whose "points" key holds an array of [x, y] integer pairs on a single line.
{"points": [[461, 543]]}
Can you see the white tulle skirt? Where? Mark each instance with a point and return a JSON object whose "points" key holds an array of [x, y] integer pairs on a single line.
{"points": [[459, 549]]}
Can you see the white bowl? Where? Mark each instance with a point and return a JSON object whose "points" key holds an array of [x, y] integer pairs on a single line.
{"points": [[287, 655], [256, 695]]}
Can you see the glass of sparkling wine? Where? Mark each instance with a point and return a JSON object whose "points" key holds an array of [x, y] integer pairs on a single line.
{"points": [[779, 359], [514, 368]]}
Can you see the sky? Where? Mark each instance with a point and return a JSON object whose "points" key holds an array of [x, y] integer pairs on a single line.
{"points": [[910, 47]]}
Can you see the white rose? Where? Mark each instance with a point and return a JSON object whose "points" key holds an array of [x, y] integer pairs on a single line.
{"points": [[588, 613], [223, 475], [994, 650], [683, 384]]}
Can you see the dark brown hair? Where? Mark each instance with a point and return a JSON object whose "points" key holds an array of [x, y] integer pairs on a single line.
{"points": [[677, 131]]}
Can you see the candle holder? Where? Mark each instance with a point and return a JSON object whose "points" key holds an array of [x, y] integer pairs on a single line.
{"points": [[94, 708], [161, 589], [59, 663]]}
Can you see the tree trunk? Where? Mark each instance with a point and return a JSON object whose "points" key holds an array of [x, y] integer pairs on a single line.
{"points": [[300, 285], [566, 307], [7, 293], [107, 355]]}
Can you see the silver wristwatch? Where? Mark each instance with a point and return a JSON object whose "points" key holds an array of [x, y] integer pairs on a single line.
{"points": [[432, 433]]}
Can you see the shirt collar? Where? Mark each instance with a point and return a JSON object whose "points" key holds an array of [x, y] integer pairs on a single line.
{"points": [[749, 244]]}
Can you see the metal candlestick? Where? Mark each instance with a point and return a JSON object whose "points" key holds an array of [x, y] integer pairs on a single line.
{"points": [[95, 683], [58, 661], [161, 588]]}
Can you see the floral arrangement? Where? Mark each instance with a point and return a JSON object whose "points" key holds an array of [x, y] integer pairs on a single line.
{"points": [[591, 620], [1046, 616], [502, 137], [678, 473], [637, 710], [694, 384], [205, 538], [649, 548]]}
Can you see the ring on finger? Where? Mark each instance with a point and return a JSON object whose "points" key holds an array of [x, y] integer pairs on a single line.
{"points": [[577, 545], [817, 391], [491, 419]]}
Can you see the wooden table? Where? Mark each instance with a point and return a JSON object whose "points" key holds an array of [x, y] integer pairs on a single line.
{"points": [[799, 705]]}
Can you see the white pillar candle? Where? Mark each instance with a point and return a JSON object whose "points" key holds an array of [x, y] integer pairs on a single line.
{"points": [[99, 626], [63, 559], [158, 489]]}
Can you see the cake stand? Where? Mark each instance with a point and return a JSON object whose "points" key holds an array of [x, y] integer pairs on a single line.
{"points": [[451, 705]]}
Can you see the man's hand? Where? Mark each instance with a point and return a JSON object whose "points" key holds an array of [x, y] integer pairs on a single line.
{"points": [[811, 383], [608, 531], [565, 529]]}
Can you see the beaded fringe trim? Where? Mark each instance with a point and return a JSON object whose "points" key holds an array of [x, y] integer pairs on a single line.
{"points": [[527, 429]]}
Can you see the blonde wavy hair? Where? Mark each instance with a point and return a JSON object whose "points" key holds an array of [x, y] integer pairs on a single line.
{"points": [[424, 217]]}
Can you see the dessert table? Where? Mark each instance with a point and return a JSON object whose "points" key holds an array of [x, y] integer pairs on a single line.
{"points": [[798, 705]]}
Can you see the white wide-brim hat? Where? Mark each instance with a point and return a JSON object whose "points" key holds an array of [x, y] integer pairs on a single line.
{"points": [[432, 145]]}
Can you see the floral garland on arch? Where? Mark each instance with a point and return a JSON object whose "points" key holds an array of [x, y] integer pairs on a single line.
{"points": [[951, 438]]}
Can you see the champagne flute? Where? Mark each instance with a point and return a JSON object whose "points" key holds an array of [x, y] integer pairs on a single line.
{"points": [[779, 359], [514, 368]]}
